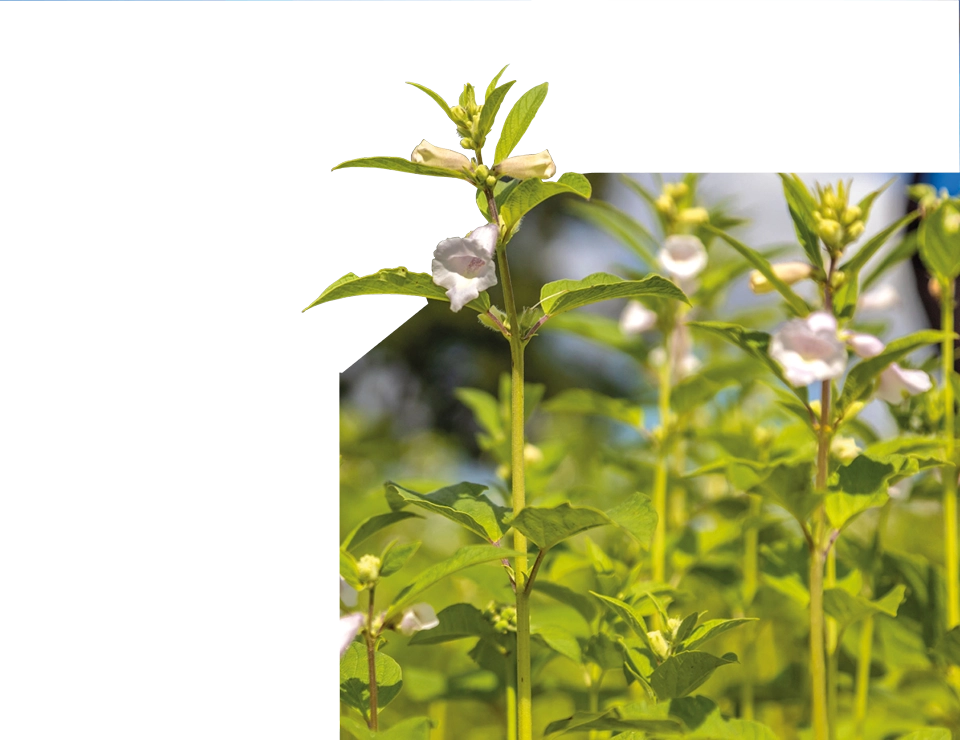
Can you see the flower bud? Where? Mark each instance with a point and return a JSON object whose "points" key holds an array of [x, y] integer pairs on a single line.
{"points": [[829, 231], [481, 172], [845, 449], [828, 212], [659, 644], [467, 143], [665, 204], [458, 114], [850, 214], [527, 166], [490, 181], [368, 569], [434, 156], [855, 230], [694, 216], [788, 272], [676, 190]]}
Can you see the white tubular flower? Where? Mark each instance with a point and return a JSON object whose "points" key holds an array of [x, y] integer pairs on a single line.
{"points": [[809, 349], [683, 256], [348, 594], [864, 345], [527, 166], [465, 266], [417, 617], [435, 156], [789, 272], [896, 383], [636, 319], [879, 299], [350, 626]]}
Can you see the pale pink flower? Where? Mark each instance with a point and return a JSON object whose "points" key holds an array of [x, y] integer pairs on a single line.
{"points": [[896, 383], [465, 266], [809, 349], [417, 617], [683, 256], [350, 626]]}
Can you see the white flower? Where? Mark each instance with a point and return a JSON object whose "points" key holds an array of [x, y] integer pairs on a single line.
{"points": [[350, 625], [864, 345], [348, 594], [896, 383], [636, 319], [879, 299], [435, 156], [526, 166], [809, 349], [418, 617], [683, 256], [788, 272], [465, 266]]}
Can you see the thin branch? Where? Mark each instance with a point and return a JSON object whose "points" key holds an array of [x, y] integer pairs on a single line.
{"points": [[534, 570]]}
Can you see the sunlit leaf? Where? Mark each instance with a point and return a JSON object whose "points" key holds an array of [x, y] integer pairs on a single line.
{"points": [[355, 678], [565, 295], [464, 503], [518, 120], [680, 674]]}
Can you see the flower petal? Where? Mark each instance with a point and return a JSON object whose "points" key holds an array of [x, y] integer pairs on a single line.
{"points": [[636, 319], [896, 384], [348, 594], [417, 617], [683, 256], [350, 626], [809, 349]]}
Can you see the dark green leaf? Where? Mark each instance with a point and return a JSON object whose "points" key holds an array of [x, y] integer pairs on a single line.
{"points": [[355, 678], [637, 516], [611, 720], [456, 622], [710, 629], [583, 604], [371, 525], [463, 503], [847, 608], [627, 613], [948, 646], [545, 527], [680, 674], [560, 641]]}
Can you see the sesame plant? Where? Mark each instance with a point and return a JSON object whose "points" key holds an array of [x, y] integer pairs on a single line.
{"points": [[725, 537]]}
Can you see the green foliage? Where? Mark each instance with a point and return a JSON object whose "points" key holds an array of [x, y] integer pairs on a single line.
{"points": [[399, 164], [395, 281], [530, 193], [565, 295], [939, 240], [463, 503], [373, 524], [801, 203], [612, 720], [847, 608], [355, 678], [439, 100], [583, 401], [518, 121], [681, 674], [546, 527], [412, 728]]}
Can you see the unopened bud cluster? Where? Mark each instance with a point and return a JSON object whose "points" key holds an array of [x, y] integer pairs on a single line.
{"points": [[503, 617], [662, 640], [368, 570], [839, 223], [467, 117], [675, 203]]}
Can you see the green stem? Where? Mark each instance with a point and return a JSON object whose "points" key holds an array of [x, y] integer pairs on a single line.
{"points": [[372, 722], [750, 581], [517, 444], [833, 647], [863, 677], [659, 545], [511, 698], [818, 668], [952, 549]]}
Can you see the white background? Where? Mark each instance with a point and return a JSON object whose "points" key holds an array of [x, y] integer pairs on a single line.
{"points": [[168, 417]]}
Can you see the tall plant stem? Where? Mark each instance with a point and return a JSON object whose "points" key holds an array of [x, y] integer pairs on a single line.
{"points": [[833, 647], [517, 443], [951, 547], [511, 700], [373, 721], [863, 677], [659, 546], [750, 581]]}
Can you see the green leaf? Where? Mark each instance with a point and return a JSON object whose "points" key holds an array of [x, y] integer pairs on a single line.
{"points": [[712, 628], [564, 595], [627, 613], [462, 558], [491, 105], [493, 83], [940, 242], [863, 474], [847, 608], [637, 516], [518, 121], [545, 527], [928, 733], [587, 402], [530, 193], [399, 164], [680, 674], [599, 329], [870, 247], [463, 503], [395, 281], [501, 191], [371, 525], [866, 203], [396, 557], [620, 225], [439, 101], [485, 408], [565, 295], [611, 720], [356, 728], [842, 508], [948, 646], [355, 678], [560, 641], [412, 728], [457, 621], [760, 263], [903, 251], [801, 205], [348, 569], [860, 379]]}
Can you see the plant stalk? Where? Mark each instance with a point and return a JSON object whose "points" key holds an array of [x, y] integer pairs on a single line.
{"points": [[750, 581], [833, 647], [952, 548], [511, 699], [373, 721], [517, 444], [659, 545], [863, 677]]}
